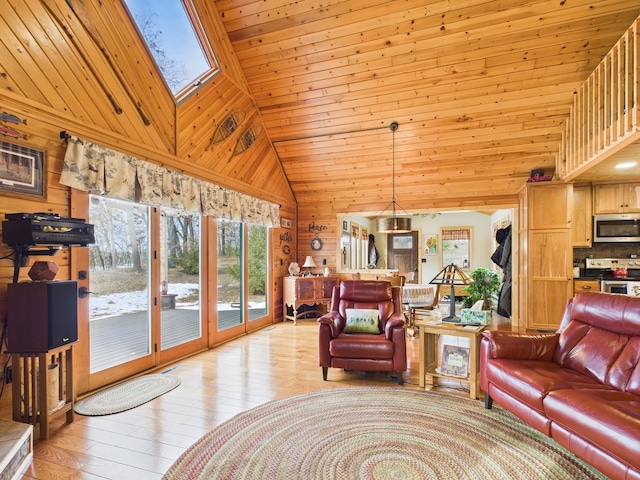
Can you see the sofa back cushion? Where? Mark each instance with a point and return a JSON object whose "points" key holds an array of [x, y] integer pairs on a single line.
{"points": [[367, 294], [599, 337]]}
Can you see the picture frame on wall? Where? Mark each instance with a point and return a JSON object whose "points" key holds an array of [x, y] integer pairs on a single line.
{"points": [[430, 244], [21, 170]]}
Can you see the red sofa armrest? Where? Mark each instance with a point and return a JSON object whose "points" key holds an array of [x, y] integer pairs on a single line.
{"points": [[519, 346], [333, 322], [395, 321]]}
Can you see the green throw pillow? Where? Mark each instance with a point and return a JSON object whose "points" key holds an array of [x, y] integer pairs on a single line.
{"points": [[361, 320]]}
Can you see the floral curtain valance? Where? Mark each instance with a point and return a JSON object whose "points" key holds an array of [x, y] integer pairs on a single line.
{"points": [[94, 168]]}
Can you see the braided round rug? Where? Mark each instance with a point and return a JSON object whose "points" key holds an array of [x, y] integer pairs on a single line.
{"points": [[127, 395], [376, 433]]}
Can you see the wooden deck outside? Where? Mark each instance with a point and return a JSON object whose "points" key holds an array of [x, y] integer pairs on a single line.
{"points": [[120, 338]]}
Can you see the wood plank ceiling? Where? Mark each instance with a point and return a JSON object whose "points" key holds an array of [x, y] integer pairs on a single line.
{"points": [[480, 88]]}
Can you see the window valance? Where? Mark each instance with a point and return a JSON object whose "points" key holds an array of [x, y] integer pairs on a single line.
{"points": [[94, 168]]}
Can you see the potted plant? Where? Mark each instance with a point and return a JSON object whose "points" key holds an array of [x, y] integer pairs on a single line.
{"points": [[485, 287]]}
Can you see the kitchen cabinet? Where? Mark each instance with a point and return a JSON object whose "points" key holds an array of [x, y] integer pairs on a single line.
{"points": [[616, 198], [314, 291], [582, 216], [549, 205], [582, 285], [545, 265]]}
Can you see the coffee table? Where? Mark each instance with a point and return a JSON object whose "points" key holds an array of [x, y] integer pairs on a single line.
{"points": [[430, 330]]}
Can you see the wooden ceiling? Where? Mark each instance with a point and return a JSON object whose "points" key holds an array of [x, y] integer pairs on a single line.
{"points": [[480, 89]]}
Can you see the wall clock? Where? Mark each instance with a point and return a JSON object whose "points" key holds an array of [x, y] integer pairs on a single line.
{"points": [[316, 244]]}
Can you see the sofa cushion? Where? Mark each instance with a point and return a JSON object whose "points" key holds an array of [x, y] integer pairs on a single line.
{"points": [[531, 380], [608, 418], [625, 372], [362, 320], [367, 346], [589, 350]]}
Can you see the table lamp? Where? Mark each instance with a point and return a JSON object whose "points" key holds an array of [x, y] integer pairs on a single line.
{"points": [[451, 275], [309, 263]]}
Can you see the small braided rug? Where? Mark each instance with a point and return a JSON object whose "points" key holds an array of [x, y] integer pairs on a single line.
{"points": [[377, 433], [126, 395]]}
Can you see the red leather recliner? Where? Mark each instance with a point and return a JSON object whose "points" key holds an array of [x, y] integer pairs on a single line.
{"points": [[385, 352]]}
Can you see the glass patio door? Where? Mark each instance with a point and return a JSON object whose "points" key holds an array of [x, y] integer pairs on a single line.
{"points": [[180, 321], [120, 314], [145, 301], [242, 260]]}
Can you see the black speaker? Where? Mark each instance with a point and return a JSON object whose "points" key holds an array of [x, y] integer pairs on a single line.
{"points": [[41, 316]]}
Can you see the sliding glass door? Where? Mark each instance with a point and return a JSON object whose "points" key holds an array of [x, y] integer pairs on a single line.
{"points": [[242, 264], [145, 301], [179, 278], [120, 314]]}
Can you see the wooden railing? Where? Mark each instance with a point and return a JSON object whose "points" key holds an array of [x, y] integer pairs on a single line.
{"points": [[605, 108]]}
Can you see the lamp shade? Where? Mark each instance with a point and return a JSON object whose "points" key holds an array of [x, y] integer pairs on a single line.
{"points": [[451, 275], [393, 225], [308, 262]]}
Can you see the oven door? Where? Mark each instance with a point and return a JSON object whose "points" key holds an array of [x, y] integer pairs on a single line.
{"points": [[615, 286]]}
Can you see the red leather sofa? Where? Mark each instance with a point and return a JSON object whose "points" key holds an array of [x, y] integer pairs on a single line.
{"points": [[580, 385], [384, 352]]}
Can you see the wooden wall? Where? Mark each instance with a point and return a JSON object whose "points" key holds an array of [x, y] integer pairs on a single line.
{"points": [[80, 67]]}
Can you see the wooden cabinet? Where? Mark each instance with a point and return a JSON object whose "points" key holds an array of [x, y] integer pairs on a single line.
{"points": [[617, 198], [582, 285], [314, 291], [545, 262], [549, 205], [582, 219]]}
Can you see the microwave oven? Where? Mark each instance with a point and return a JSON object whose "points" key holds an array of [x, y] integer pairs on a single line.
{"points": [[621, 227]]}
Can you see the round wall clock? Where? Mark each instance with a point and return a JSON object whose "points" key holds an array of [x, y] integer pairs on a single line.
{"points": [[316, 244]]}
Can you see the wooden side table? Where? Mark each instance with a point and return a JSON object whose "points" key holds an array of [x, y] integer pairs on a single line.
{"points": [[430, 332], [42, 393]]}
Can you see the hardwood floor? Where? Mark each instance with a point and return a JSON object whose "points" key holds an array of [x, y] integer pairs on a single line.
{"points": [[141, 444]]}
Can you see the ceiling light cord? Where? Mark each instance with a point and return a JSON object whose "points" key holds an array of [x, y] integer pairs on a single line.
{"points": [[393, 224]]}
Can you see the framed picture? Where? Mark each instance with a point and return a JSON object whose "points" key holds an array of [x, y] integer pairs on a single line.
{"points": [[345, 226], [430, 244], [285, 222], [21, 170], [456, 246]]}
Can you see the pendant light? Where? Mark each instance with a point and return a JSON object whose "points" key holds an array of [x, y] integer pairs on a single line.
{"points": [[393, 224]]}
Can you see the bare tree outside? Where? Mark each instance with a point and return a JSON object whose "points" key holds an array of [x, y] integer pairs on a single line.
{"points": [[173, 71]]}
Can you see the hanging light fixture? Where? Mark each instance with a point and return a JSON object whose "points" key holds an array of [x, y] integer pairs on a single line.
{"points": [[393, 224]]}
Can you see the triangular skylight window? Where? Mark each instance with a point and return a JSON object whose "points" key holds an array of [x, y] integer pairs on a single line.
{"points": [[176, 40]]}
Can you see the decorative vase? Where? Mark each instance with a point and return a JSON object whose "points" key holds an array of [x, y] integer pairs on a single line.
{"points": [[327, 272]]}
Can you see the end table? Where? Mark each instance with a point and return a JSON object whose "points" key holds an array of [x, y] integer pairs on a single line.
{"points": [[430, 331]]}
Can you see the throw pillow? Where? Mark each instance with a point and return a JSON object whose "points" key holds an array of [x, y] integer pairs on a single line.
{"points": [[362, 320]]}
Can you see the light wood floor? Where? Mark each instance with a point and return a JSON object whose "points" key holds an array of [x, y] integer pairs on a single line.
{"points": [[141, 444]]}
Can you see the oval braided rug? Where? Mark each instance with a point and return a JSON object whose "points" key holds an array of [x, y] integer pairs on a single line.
{"points": [[377, 433], [127, 395]]}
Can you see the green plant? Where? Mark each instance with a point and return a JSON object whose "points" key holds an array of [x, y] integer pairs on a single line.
{"points": [[485, 287], [189, 262]]}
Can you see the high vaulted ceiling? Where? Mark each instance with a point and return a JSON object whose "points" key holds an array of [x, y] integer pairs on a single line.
{"points": [[481, 90]]}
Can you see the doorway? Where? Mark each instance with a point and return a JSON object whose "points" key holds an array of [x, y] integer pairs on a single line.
{"points": [[402, 254]]}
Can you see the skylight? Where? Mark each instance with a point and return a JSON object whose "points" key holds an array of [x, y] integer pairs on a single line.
{"points": [[174, 37]]}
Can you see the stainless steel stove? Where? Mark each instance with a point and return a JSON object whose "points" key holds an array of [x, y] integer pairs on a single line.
{"points": [[617, 275]]}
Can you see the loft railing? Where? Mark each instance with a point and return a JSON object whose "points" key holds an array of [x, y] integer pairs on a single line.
{"points": [[605, 108]]}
